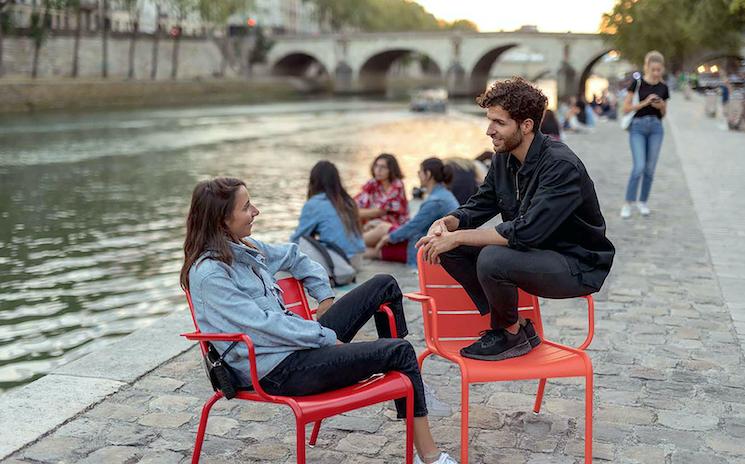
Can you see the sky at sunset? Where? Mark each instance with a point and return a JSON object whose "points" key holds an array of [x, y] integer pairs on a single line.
{"points": [[548, 15]]}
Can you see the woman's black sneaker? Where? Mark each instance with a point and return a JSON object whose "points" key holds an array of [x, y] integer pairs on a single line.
{"points": [[496, 345], [530, 333]]}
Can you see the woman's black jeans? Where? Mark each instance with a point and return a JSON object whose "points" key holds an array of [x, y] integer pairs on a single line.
{"points": [[312, 371]]}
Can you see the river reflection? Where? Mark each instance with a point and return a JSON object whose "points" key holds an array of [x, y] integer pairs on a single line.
{"points": [[92, 206]]}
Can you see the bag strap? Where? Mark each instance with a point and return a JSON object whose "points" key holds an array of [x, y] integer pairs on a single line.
{"points": [[337, 249], [322, 250]]}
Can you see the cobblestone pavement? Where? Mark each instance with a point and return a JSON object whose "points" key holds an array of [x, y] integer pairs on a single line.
{"points": [[669, 383]]}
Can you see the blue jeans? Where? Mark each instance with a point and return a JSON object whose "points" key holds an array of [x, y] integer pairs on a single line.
{"points": [[645, 138]]}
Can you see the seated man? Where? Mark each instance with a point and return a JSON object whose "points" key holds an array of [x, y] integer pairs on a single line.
{"points": [[552, 240]]}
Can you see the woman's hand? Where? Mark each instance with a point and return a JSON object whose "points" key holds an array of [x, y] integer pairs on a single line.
{"points": [[324, 306], [384, 240], [650, 100]]}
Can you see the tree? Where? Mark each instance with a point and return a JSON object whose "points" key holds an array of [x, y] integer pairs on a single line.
{"points": [[217, 14], [77, 8], [104, 24], [461, 25], [381, 16], [133, 8], [156, 41], [681, 29], [39, 30], [4, 26], [182, 8]]}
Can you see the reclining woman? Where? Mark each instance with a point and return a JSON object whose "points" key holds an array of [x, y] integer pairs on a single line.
{"points": [[230, 277], [331, 214]]}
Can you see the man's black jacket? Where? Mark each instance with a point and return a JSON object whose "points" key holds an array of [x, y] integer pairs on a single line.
{"points": [[548, 203]]}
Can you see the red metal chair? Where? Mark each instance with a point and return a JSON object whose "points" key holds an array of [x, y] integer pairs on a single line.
{"points": [[312, 408], [451, 321]]}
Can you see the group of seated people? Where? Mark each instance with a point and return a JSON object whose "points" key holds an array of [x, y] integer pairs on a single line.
{"points": [[375, 223]]}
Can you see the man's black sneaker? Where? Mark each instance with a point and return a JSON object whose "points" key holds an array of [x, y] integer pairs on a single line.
{"points": [[496, 345], [530, 333]]}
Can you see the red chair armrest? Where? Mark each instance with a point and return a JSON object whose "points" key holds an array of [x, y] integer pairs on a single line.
{"points": [[417, 297]]}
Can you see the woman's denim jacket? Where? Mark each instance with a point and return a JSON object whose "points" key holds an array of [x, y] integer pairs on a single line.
{"points": [[439, 203], [319, 216], [243, 297]]}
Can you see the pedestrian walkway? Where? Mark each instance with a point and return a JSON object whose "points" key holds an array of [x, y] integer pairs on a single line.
{"points": [[670, 372]]}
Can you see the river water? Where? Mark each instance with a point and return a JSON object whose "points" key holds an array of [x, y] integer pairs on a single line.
{"points": [[92, 205]]}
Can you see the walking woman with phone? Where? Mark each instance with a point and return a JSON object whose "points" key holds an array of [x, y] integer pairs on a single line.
{"points": [[645, 131]]}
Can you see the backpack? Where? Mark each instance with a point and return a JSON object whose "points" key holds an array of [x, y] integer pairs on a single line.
{"points": [[331, 257]]}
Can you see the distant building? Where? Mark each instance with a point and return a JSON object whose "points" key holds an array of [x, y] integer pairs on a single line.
{"points": [[275, 16]]}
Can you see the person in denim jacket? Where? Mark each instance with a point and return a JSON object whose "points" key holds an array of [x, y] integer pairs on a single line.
{"points": [[330, 213], [230, 276], [433, 175]]}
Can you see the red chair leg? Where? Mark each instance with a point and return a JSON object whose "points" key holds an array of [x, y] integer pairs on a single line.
{"points": [[203, 426], [539, 396], [300, 431], [314, 434], [422, 357], [464, 421], [410, 428], [588, 418]]}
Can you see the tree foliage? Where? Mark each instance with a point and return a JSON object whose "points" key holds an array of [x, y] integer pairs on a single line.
{"points": [[381, 16], [683, 30]]}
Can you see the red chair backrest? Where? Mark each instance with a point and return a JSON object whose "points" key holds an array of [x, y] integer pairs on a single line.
{"points": [[202, 345], [294, 297], [457, 316]]}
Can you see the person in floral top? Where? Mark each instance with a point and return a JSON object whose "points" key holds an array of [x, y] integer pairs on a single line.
{"points": [[382, 202]]}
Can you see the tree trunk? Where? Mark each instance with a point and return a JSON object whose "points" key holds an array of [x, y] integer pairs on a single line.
{"points": [[132, 42], [76, 43], [174, 56], [35, 62], [2, 13], [156, 39], [105, 39]]}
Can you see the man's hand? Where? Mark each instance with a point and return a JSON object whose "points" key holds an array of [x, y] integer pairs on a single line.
{"points": [[438, 244], [448, 223], [324, 306]]}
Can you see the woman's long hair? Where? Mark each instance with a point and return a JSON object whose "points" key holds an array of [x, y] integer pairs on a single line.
{"points": [[324, 178], [394, 170], [211, 205]]}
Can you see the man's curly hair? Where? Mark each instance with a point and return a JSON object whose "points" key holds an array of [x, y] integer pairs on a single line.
{"points": [[518, 97]]}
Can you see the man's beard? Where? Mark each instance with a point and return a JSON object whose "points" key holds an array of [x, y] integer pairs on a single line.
{"points": [[512, 142]]}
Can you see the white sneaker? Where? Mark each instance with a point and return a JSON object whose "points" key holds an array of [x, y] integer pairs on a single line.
{"points": [[626, 211], [444, 459], [643, 209], [436, 406]]}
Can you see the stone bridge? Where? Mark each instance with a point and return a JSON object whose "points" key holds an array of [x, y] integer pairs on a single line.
{"points": [[461, 61]]}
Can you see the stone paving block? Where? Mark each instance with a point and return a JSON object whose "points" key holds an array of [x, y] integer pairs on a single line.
{"points": [[161, 457], [164, 419], [358, 443], [643, 454], [113, 455], [53, 449]]}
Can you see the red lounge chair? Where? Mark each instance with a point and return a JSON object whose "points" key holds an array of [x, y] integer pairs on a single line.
{"points": [[451, 322], [312, 408]]}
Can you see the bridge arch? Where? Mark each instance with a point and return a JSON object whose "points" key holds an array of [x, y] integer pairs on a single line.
{"points": [[587, 71], [373, 72], [299, 64], [480, 71]]}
